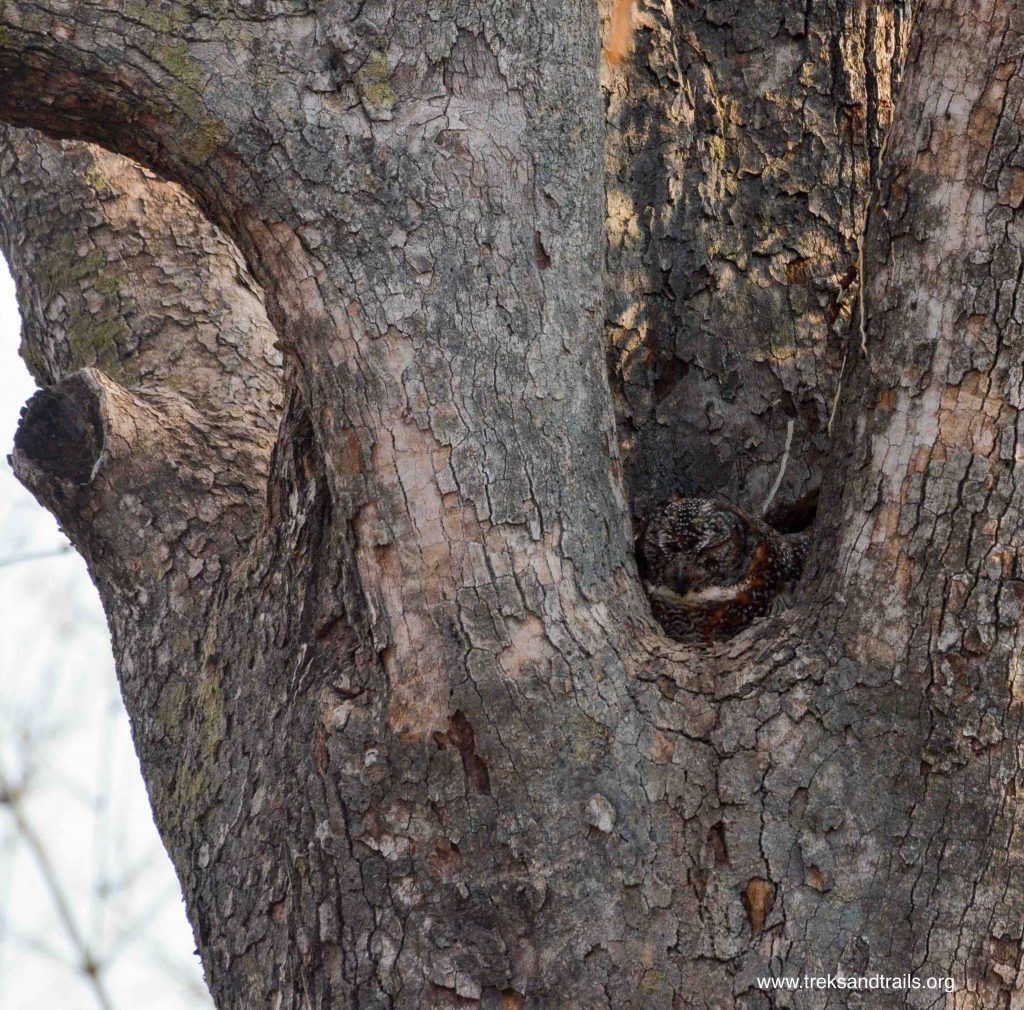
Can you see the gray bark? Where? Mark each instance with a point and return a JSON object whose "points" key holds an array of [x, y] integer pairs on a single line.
{"points": [[410, 733]]}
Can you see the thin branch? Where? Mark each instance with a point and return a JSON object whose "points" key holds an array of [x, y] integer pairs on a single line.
{"points": [[782, 468], [835, 399], [88, 964], [862, 310], [17, 559]]}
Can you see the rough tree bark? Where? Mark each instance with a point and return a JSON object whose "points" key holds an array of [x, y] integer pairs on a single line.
{"points": [[743, 140], [410, 734]]}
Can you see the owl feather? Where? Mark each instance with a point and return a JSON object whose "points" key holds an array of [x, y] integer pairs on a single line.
{"points": [[711, 568]]}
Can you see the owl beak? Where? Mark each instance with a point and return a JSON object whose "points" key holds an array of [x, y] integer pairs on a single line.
{"points": [[679, 580]]}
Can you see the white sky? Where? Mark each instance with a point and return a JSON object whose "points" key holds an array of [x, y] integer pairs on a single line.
{"points": [[64, 733]]}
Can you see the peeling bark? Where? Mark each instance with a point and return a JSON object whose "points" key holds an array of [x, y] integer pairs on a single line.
{"points": [[411, 736]]}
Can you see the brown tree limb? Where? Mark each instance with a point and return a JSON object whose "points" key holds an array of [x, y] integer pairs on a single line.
{"points": [[148, 322], [148, 80]]}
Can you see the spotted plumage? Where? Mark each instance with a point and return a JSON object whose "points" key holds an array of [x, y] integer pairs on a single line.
{"points": [[711, 568]]}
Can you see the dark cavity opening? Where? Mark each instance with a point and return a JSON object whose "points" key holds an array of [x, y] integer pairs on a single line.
{"points": [[61, 431]]}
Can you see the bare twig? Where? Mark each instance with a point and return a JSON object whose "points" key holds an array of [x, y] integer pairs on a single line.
{"points": [[88, 964], [17, 559], [862, 310], [782, 468], [835, 399]]}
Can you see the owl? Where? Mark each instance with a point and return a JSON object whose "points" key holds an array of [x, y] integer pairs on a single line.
{"points": [[711, 568]]}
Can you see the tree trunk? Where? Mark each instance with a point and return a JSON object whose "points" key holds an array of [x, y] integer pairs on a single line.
{"points": [[411, 736]]}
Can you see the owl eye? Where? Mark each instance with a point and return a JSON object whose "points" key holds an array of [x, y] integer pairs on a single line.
{"points": [[716, 545]]}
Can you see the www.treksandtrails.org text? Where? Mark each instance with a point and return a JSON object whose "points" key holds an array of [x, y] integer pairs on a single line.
{"points": [[865, 983]]}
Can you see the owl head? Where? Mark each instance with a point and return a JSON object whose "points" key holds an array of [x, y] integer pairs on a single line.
{"points": [[693, 543]]}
